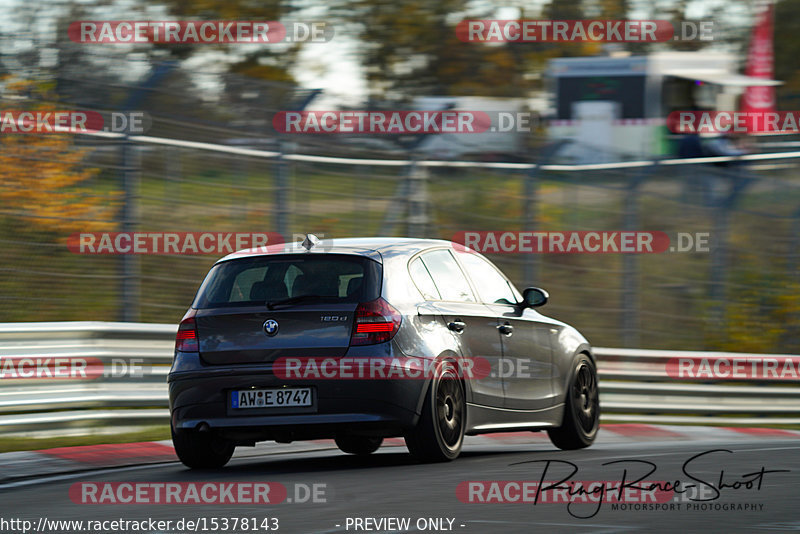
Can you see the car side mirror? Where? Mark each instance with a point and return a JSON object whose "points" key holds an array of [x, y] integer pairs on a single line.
{"points": [[533, 297]]}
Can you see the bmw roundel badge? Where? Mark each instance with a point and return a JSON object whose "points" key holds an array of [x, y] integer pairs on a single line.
{"points": [[271, 327]]}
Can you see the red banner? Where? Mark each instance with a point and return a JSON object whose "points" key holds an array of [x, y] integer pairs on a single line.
{"points": [[760, 99]]}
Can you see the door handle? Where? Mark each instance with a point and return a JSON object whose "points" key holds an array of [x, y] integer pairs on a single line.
{"points": [[506, 329], [457, 326]]}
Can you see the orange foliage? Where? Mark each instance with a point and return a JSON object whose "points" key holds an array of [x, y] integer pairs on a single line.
{"points": [[42, 176]]}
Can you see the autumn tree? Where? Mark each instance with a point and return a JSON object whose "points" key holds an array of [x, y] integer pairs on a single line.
{"points": [[44, 177]]}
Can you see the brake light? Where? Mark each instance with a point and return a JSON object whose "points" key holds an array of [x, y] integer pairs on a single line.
{"points": [[186, 339], [376, 322]]}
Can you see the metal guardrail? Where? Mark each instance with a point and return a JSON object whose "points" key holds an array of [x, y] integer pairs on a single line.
{"points": [[34, 405], [269, 154], [635, 386]]}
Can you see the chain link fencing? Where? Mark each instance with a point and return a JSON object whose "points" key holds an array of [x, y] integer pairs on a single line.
{"points": [[738, 294]]}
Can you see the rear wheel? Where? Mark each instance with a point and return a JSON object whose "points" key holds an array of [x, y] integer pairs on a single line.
{"points": [[440, 432], [200, 450], [581, 410], [358, 445]]}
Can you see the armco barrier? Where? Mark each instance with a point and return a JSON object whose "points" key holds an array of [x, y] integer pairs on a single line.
{"points": [[634, 384]]}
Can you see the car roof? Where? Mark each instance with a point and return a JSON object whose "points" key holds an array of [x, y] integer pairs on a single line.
{"points": [[376, 248]]}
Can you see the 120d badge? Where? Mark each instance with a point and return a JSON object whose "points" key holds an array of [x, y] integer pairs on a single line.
{"points": [[333, 318]]}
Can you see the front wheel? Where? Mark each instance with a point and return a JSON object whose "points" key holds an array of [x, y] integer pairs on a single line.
{"points": [[581, 411], [440, 432], [358, 445], [200, 450]]}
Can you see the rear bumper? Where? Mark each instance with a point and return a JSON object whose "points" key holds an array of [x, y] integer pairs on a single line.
{"points": [[199, 395]]}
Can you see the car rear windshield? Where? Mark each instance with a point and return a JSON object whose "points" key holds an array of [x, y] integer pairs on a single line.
{"points": [[270, 279]]}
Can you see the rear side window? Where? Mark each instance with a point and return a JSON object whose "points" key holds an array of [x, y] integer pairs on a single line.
{"points": [[490, 284], [258, 280], [422, 279], [447, 276]]}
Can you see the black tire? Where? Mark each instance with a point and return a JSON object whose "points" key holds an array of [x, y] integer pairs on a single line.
{"points": [[581, 409], [201, 450], [358, 445], [439, 433]]}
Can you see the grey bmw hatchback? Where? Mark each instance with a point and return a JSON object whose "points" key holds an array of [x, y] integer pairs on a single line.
{"points": [[367, 338]]}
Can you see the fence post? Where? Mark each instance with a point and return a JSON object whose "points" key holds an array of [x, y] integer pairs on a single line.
{"points": [[530, 264], [794, 253], [723, 206], [630, 263], [282, 194], [129, 264], [417, 200], [398, 203], [174, 171], [530, 207], [719, 264]]}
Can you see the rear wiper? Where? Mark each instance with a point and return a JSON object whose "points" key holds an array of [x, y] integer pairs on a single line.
{"points": [[300, 298]]}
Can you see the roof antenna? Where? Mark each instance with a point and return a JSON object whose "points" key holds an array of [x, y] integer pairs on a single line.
{"points": [[310, 241]]}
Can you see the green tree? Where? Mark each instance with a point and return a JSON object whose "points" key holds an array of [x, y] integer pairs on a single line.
{"points": [[265, 62], [410, 48]]}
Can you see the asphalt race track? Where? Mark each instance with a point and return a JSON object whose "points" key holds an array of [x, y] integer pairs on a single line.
{"points": [[390, 484]]}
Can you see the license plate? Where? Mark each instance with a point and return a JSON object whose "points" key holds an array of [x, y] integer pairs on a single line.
{"points": [[271, 398]]}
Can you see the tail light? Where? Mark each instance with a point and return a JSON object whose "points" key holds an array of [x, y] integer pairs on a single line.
{"points": [[186, 339], [376, 322]]}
